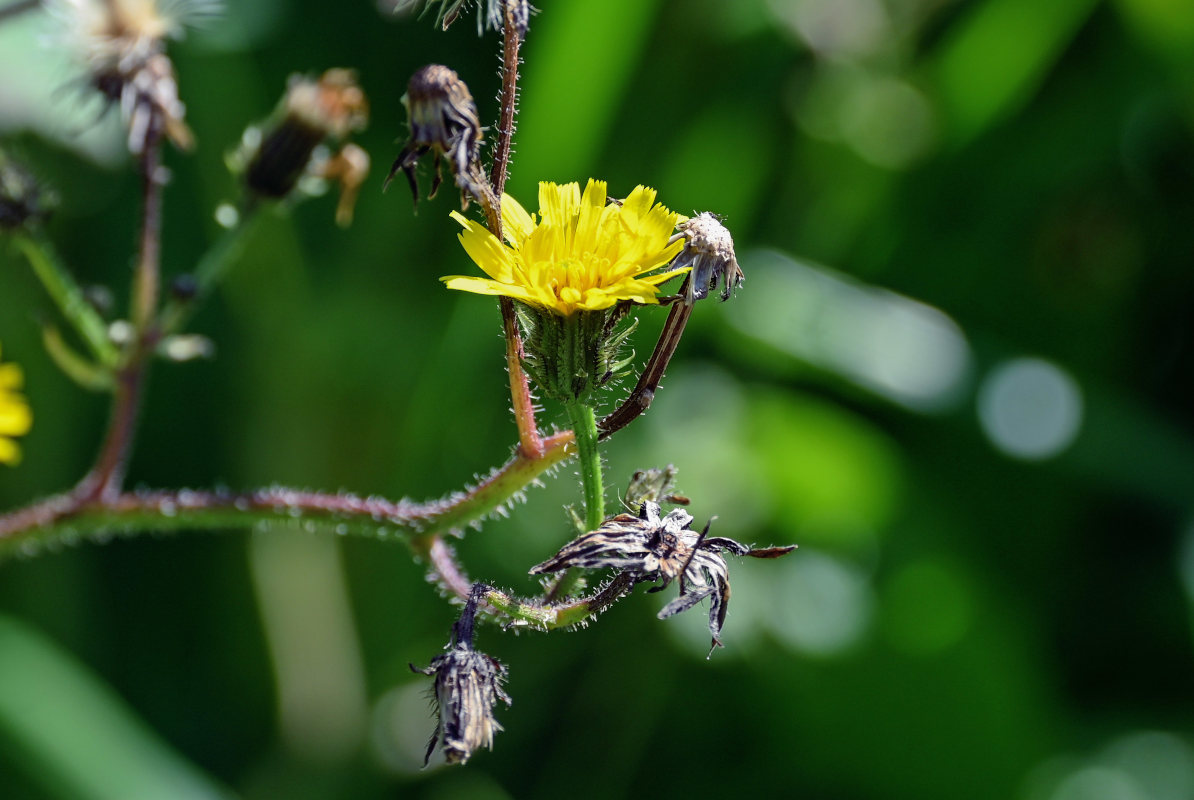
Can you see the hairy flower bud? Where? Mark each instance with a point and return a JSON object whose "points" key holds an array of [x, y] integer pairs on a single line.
{"points": [[443, 120], [709, 251]]}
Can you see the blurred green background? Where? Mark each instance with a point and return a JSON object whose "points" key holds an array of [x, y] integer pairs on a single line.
{"points": [[959, 376]]}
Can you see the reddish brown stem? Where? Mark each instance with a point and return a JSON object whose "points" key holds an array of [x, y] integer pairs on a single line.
{"points": [[106, 477], [103, 482], [511, 45], [643, 393], [147, 279], [529, 440], [186, 508]]}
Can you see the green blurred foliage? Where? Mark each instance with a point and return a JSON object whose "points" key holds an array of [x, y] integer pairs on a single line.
{"points": [[993, 592]]}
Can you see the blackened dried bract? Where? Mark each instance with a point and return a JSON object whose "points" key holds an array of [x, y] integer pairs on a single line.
{"points": [[22, 201], [653, 548], [443, 121], [709, 250], [468, 683]]}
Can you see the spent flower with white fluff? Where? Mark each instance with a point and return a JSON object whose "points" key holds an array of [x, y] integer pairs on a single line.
{"points": [[122, 45], [709, 252]]}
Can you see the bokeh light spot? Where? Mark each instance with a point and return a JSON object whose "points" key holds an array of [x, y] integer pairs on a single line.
{"points": [[823, 605], [1030, 408], [926, 607]]}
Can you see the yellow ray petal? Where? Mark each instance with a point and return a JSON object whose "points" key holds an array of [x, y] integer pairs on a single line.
{"points": [[9, 452], [15, 417], [485, 250], [11, 376], [468, 283], [517, 224]]}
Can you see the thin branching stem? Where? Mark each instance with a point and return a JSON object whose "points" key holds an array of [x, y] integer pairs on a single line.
{"points": [[75, 516], [147, 278], [210, 270], [511, 58], [106, 478], [643, 393], [522, 401], [545, 615], [66, 293]]}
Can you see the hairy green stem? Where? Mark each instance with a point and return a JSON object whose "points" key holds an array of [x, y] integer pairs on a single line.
{"points": [[74, 516], [543, 615], [584, 427], [212, 267]]}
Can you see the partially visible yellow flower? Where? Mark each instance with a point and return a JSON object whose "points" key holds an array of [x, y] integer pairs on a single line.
{"points": [[580, 254], [15, 416]]}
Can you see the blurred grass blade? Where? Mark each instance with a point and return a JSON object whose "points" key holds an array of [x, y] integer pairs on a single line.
{"points": [[997, 57], [75, 736], [579, 60]]}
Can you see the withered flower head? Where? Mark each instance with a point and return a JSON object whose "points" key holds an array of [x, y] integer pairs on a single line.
{"points": [[123, 44], [654, 548], [491, 12], [443, 120], [311, 113], [468, 683], [709, 251]]}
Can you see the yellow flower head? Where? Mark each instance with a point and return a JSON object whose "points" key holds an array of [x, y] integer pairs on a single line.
{"points": [[15, 416], [580, 254]]}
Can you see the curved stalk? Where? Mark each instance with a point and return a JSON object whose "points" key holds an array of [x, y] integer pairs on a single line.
{"points": [[71, 517]]}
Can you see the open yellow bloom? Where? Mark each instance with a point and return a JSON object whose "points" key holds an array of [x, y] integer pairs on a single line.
{"points": [[15, 416], [579, 255]]}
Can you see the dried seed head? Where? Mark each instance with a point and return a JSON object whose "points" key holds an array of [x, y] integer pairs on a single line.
{"points": [[443, 120], [468, 683], [122, 43], [650, 547], [709, 251], [311, 113]]}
